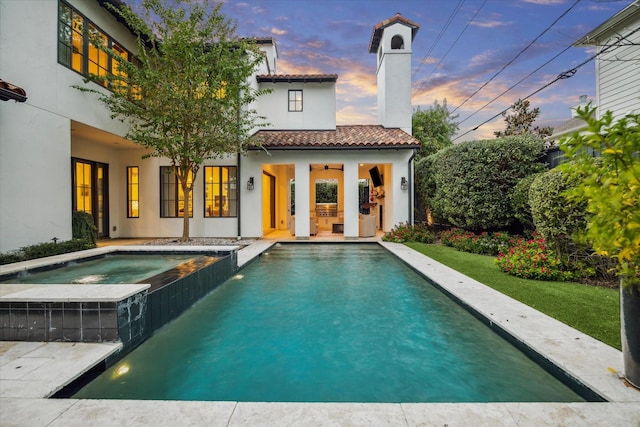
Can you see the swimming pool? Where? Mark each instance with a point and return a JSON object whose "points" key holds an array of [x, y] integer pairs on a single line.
{"points": [[327, 323]]}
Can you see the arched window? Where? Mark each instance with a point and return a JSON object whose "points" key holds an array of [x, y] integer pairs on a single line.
{"points": [[397, 42]]}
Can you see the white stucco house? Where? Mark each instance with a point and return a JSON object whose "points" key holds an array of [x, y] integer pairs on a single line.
{"points": [[60, 151]]}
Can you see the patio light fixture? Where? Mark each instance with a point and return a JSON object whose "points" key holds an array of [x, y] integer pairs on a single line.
{"points": [[404, 184], [250, 183]]}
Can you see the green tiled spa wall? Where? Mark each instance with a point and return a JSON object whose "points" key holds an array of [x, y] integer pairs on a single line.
{"points": [[59, 321], [171, 300]]}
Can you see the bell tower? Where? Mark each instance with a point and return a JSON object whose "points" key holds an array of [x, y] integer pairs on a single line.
{"points": [[391, 41]]}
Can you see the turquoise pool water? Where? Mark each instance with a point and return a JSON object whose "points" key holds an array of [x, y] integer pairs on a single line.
{"points": [[109, 269], [327, 323]]}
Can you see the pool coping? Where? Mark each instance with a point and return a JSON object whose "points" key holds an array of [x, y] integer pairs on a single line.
{"points": [[589, 361]]}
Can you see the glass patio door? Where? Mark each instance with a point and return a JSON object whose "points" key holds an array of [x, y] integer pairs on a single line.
{"points": [[91, 192]]}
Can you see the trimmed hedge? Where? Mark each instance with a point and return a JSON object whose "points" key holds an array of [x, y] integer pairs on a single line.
{"points": [[520, 202], [46, 249], [555, 217], [474, 180], [84, 233]]}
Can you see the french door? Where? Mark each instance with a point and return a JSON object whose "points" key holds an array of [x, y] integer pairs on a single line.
{"points": [[90, 192]]}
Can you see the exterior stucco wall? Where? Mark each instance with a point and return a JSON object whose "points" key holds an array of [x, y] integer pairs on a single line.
{"points": [[35, 145], [319, 106], [39, 138], [394, 79], [149, 223], [35, 182]]}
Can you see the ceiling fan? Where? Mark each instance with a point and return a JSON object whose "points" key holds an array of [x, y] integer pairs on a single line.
{"points": [[327, 167]]}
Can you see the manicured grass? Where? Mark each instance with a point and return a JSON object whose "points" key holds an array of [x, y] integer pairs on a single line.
{"points": [[590, 309]]}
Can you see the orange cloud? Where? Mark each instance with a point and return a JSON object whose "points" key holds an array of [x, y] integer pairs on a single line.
{"points": [[350, 115], [429, 60], [278, 32], [315, 44]]}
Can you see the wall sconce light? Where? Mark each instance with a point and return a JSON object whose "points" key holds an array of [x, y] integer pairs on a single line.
{"points": [[250, 183], [404, 184]]}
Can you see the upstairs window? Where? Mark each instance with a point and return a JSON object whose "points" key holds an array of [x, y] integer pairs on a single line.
{"points": [[295, 100], [75, 50], [70, 38], [98, 60]]}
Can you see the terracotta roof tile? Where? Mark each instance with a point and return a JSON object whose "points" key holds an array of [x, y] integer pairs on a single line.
{"points": [[10, 91], [376, 35], [350, 137], [288, 78]]}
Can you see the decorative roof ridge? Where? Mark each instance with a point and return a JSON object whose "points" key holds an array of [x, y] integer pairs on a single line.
{"points": [[342, 137], [297, 78]]}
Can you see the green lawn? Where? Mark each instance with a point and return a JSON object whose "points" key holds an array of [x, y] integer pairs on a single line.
{"points": [[590, 309]]}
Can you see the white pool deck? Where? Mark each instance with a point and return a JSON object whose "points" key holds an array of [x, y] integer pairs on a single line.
{"points": [[30, 372]]}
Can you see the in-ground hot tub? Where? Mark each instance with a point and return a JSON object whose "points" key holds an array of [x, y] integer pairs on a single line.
{"points": [[112, 297]]}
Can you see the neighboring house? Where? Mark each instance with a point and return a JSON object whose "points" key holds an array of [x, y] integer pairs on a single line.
{"points": [[568, 128], [617, 43], [60, 151]]}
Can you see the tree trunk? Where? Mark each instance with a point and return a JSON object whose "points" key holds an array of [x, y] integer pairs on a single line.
{"points": [[185, 217], [186, 191], [630, 329]]}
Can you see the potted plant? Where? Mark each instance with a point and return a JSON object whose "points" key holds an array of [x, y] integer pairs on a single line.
{"points": [[605, 160]]}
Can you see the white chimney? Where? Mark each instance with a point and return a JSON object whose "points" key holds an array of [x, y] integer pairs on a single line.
{"points": [[391, 41], [583, 103]]}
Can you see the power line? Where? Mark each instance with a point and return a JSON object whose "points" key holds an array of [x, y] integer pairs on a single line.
{"points": [[516, 84], [422, 86], [564, 75], [440, 34], [517, 56]]}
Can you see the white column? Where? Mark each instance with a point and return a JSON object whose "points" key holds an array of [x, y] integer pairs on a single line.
{"points": [[351, 200], [302, 200]]}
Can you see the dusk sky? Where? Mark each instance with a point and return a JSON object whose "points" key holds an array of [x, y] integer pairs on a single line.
{"points": [[461, 44]]}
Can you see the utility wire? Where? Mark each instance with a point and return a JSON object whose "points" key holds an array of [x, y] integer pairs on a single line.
{"points": [[440, 34], [517, 56], [516, 84], [564, 75], [618, 44], [422, 86]]}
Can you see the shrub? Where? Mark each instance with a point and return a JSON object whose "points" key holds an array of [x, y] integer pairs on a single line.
{"points": [[556, 218], [425, 187], [402, 233], [609, 185], [473, 180], [519, 199], [46, 249], [532, 259], [483, 243], [82, 227]]}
